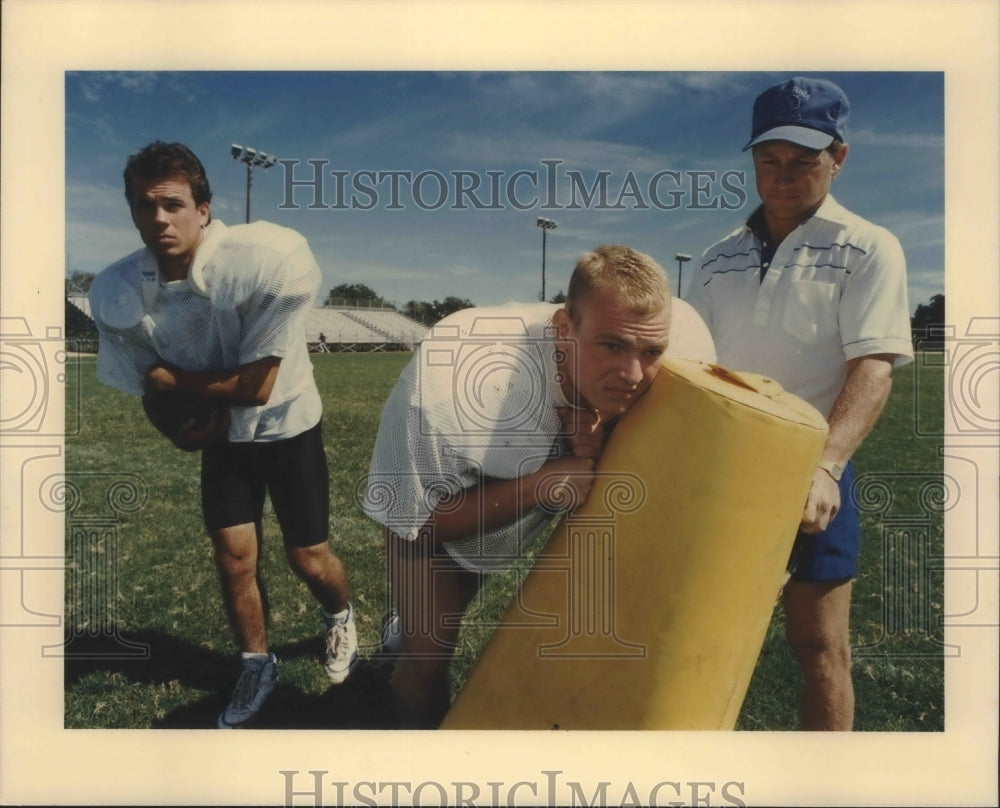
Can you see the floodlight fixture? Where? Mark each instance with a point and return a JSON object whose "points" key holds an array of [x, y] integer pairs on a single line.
{"points": [[546, 225], [681, 258], [252, 158]]}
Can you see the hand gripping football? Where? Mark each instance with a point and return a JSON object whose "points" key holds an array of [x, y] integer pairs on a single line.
{"points": [[190, 422]]}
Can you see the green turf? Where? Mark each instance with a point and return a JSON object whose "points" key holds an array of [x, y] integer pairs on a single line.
{"points": [[150, 646]]}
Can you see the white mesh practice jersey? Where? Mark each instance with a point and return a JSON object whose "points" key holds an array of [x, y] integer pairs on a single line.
{"points": [[245, 298], [479, 400]]}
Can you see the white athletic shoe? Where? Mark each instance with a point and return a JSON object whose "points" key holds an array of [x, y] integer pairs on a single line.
{"points": [[341, 647], [258, 678]]}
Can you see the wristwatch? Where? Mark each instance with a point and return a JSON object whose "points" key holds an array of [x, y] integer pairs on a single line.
{"points": [[835, 470]]}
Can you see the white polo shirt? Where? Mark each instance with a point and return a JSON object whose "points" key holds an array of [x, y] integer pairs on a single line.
{"points": [[834, 290], [479, 400], [245, 298]]}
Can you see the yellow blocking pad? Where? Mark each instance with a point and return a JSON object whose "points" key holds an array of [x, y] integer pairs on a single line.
{"points": [[648, 607]]}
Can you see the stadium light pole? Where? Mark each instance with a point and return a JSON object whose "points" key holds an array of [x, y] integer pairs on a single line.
{"points": [[253, 159], [681, 258], [546, 225]]}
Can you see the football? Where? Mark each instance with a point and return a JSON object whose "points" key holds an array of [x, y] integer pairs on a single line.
{"points": [[190, 422]]}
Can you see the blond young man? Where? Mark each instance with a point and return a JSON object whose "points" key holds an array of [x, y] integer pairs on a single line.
{"points": [[494, 427]]}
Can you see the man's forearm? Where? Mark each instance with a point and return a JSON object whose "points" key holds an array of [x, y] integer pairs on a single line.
{"points": [[854, 413], [249, 385], [857, 408], [480, 509], [493, 504]]}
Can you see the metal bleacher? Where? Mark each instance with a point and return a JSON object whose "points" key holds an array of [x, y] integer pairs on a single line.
{"points": [[361, 329], [81, 301]]}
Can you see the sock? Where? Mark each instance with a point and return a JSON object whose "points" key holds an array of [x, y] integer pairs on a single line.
{"points": [[339, 617]]}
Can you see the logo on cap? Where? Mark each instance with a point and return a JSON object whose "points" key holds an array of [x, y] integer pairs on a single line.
{"points": [[790, 106], [809, 112]]}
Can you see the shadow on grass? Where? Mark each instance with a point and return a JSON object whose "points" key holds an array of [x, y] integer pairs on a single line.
{"points": [[362, 702]]}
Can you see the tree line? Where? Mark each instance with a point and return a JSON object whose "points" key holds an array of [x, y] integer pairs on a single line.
{"points": [[927, 322], [929, 316], [428, 313]]}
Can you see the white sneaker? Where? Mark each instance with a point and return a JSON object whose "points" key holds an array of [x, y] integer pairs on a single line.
{"points": [[341, 647], [258, 677]]}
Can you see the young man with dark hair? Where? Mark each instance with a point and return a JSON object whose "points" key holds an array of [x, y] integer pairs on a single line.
{"points": [[217, 314]]}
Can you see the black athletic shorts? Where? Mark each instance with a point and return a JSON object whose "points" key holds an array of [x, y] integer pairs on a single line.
{"points": [[236, 476]]}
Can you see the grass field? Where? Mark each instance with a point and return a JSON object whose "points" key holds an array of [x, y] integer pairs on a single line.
{"points": [[149, 646]]}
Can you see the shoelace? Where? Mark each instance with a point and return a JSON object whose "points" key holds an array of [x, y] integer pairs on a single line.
{"points": [[246, 685], [339, 632]]}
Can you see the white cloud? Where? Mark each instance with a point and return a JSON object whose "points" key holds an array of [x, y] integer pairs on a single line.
{"points": [[526, 150], [915, 230], [871, 137]]}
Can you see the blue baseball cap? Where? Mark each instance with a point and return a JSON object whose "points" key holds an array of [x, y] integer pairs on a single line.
{"points": [[809, 112]]}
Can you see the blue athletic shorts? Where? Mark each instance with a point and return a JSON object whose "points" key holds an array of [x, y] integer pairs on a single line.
{"points": [[235, 477], [831, 555]]}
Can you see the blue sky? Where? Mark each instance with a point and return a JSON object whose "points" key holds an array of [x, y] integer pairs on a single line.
{"points": [[667, 144], [505, 122]]}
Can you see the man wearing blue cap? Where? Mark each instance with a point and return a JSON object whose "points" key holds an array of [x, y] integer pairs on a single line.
{"points": [[813, 296]]}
